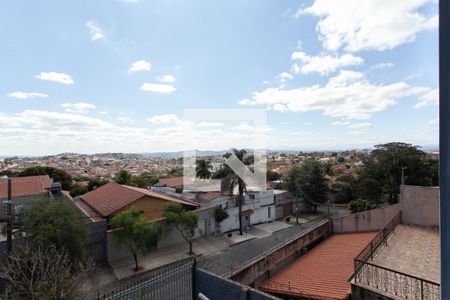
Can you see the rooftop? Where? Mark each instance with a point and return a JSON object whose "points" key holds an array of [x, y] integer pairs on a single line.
{"points": [[112, 197], [324, 271], [25, 186], [172, 182], [412, 250]]}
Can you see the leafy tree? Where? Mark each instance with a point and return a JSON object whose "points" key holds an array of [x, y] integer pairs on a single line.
{"points": [[77, 190], [145, 180], [96, 183], [123, 177], [230, 179], [58, 175], [45, 273], [133, 231], [371, 190], [185, 222], [203, 169], [293, 184], [220, 214], [272, 175], [345, 186], [359, 205], [391, 157], [56, 224]]}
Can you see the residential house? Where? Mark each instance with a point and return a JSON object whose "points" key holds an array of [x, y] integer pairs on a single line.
{"points": [[284, 203], [175, 183], [113, 198], [214, 199], [25, 190]]}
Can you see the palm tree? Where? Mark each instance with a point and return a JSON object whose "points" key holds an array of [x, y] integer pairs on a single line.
{"points": [[230, 180], [203, 169]]}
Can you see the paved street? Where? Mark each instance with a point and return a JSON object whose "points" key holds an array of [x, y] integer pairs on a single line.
{"points": [[232, 257]]}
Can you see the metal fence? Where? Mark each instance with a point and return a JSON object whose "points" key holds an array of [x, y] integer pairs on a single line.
{"points": [[173, 281], [391, 282]]}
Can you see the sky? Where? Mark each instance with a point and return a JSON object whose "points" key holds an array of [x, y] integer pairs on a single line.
{"points": [[118, 75]]}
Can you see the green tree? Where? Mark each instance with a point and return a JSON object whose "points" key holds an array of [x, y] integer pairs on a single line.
{"points": [[123, 177], [203, 169], [272, 175], [230, 180], [370, 189], [185, 222], [77, 190], [133, 231], [56, 224], [145, 180], [220, 214], [359, 205], [293, 184], [392, 157], [97, 182], [58, 175]]}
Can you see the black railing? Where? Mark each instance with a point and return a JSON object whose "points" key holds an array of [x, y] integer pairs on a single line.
{"points": [[173, 281], [388, 281]]}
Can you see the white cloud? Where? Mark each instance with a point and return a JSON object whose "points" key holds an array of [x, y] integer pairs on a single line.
{"points": [[435, 121], [361, 125], [140, 65], [103, 112], [95, 31], [167, 78], [158, 88], [429, 98], [284, 77], [210, 124], [25, 95], [163, 119], [125, 119], [80, 107], [356, 25], [382, 66], [339, 123], [346, 95], [56, 77], [323, 64]]}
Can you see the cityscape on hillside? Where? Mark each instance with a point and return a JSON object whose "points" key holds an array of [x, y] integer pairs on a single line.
{"points": [[224, 150]]}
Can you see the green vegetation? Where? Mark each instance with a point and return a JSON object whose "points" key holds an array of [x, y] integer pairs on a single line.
{"points": [[133, 231], [203, 169], [220, 214], [123, 177], [185, 222], [58, 225], [58, 175], [230, 179], [359, 205]]}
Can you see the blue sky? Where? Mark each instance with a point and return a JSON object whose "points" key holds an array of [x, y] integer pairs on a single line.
{"points": [[110, 76]]}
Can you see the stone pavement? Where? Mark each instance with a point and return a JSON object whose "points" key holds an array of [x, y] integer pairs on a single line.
{"points": [[412, 250]]}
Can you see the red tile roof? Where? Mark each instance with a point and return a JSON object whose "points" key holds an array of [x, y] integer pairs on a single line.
{"points": [[172, 182], [210, 195], [324, 271], [112, 197], [25, 186]]}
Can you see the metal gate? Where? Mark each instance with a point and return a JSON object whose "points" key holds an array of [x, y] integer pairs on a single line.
{"points": [[170, 282]]}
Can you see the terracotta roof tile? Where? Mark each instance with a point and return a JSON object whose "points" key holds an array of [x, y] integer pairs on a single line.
{"points": [[112, 197], [25, 186], [172, 182], [323, 272], [210, 195]]}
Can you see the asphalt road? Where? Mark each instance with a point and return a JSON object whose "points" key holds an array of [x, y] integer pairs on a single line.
{"points": [[233, 257]]}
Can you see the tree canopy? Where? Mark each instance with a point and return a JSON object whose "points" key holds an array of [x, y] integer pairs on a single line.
{"points": [[56, 224], [185, 222], [203, 169], [133, 231], [123, 177], [58, 175]]}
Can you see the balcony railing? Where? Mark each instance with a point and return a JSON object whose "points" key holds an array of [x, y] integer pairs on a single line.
{"points": [[390, 282], [397, 284]]}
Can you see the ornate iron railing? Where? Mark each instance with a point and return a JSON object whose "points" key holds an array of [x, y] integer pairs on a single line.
{"points": [[397, 284], [381, 238], [390, 282]]}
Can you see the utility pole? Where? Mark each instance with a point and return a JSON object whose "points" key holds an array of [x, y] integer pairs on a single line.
{"points": [[403, 175], [8, 204]]}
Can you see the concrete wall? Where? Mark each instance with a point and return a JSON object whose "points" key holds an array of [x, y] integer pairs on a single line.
{"points": [[261, 268], [420, 205], [370, 220], [206, 226], [218, 288]]}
